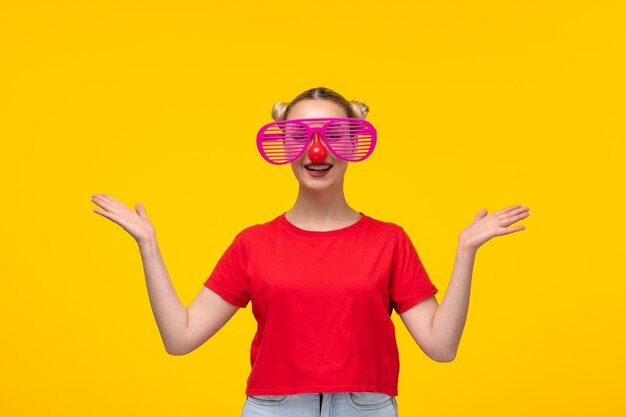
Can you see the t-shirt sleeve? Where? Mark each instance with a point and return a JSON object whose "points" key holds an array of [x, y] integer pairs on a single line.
{"points": [[409, 281], [230, 277]]}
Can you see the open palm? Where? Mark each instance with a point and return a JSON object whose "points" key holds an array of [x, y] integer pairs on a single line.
{"points": [[137, 224], [485, 227]]}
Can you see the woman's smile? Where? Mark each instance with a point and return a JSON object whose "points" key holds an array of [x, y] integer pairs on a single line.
{"points": [[318, 170]]}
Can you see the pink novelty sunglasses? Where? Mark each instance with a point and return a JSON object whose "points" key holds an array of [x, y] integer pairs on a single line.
{"points": [[284, 141]]}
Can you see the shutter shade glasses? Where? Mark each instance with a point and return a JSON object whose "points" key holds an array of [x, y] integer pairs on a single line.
{"points": [[284, 141]]}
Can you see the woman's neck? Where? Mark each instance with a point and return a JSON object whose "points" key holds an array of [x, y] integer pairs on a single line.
{"points": [[321, 211]]}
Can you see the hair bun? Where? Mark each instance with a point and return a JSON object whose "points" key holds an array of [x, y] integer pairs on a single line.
{"points": [[360, 109], [278, 111]]}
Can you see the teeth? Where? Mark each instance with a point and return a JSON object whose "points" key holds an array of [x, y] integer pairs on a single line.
{"points": [[318, 167]]}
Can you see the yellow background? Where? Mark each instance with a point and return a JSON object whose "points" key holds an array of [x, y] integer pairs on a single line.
{"points": [[477, 104]]}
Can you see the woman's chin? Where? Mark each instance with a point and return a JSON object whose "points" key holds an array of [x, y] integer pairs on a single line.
{"points": [[318, 180]]}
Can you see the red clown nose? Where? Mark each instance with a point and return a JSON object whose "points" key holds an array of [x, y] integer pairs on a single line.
{"points": [[317, 151]]}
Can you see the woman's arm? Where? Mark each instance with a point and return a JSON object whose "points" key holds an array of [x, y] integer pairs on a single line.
{"points": [[437, 329], [182, 330], [168, 310]]}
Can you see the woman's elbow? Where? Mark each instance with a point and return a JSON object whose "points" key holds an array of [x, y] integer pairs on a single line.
{"points": [[443, 356], [176, 350]]}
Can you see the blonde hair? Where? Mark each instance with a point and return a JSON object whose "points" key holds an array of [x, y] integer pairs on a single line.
{"points": [[353, 109]]}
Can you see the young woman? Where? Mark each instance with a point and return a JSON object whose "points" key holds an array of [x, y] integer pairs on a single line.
{"points": [[323, 278]]}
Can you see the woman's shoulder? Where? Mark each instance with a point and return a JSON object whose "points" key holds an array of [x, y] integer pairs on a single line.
{"points": [[260, 228], [384, 224], [392, 231]]}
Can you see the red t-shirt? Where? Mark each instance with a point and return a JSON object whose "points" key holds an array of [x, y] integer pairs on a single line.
{"points": [[323, 303]]}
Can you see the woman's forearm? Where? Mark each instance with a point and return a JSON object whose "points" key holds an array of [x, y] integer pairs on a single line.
{"points": [[168, 310], [449, 319]]}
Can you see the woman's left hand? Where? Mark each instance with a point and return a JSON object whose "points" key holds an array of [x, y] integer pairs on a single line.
{"points": [[485, 227]]}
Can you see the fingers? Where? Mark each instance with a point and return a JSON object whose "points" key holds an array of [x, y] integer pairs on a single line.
{"points": [[112, 208], [508, 230], [513, 218], [105, 198], [107, 202], [506, 209], [104, 213], [509, 215], [508, 212]]}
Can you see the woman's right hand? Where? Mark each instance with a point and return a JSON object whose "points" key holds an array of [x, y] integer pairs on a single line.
{"points": [[137, 224]]}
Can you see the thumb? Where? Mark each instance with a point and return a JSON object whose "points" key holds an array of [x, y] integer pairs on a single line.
{"points": [[141, 210], [481, 213]]}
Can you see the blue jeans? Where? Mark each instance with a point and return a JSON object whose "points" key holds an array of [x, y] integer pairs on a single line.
{"points": [[326, 404]]}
